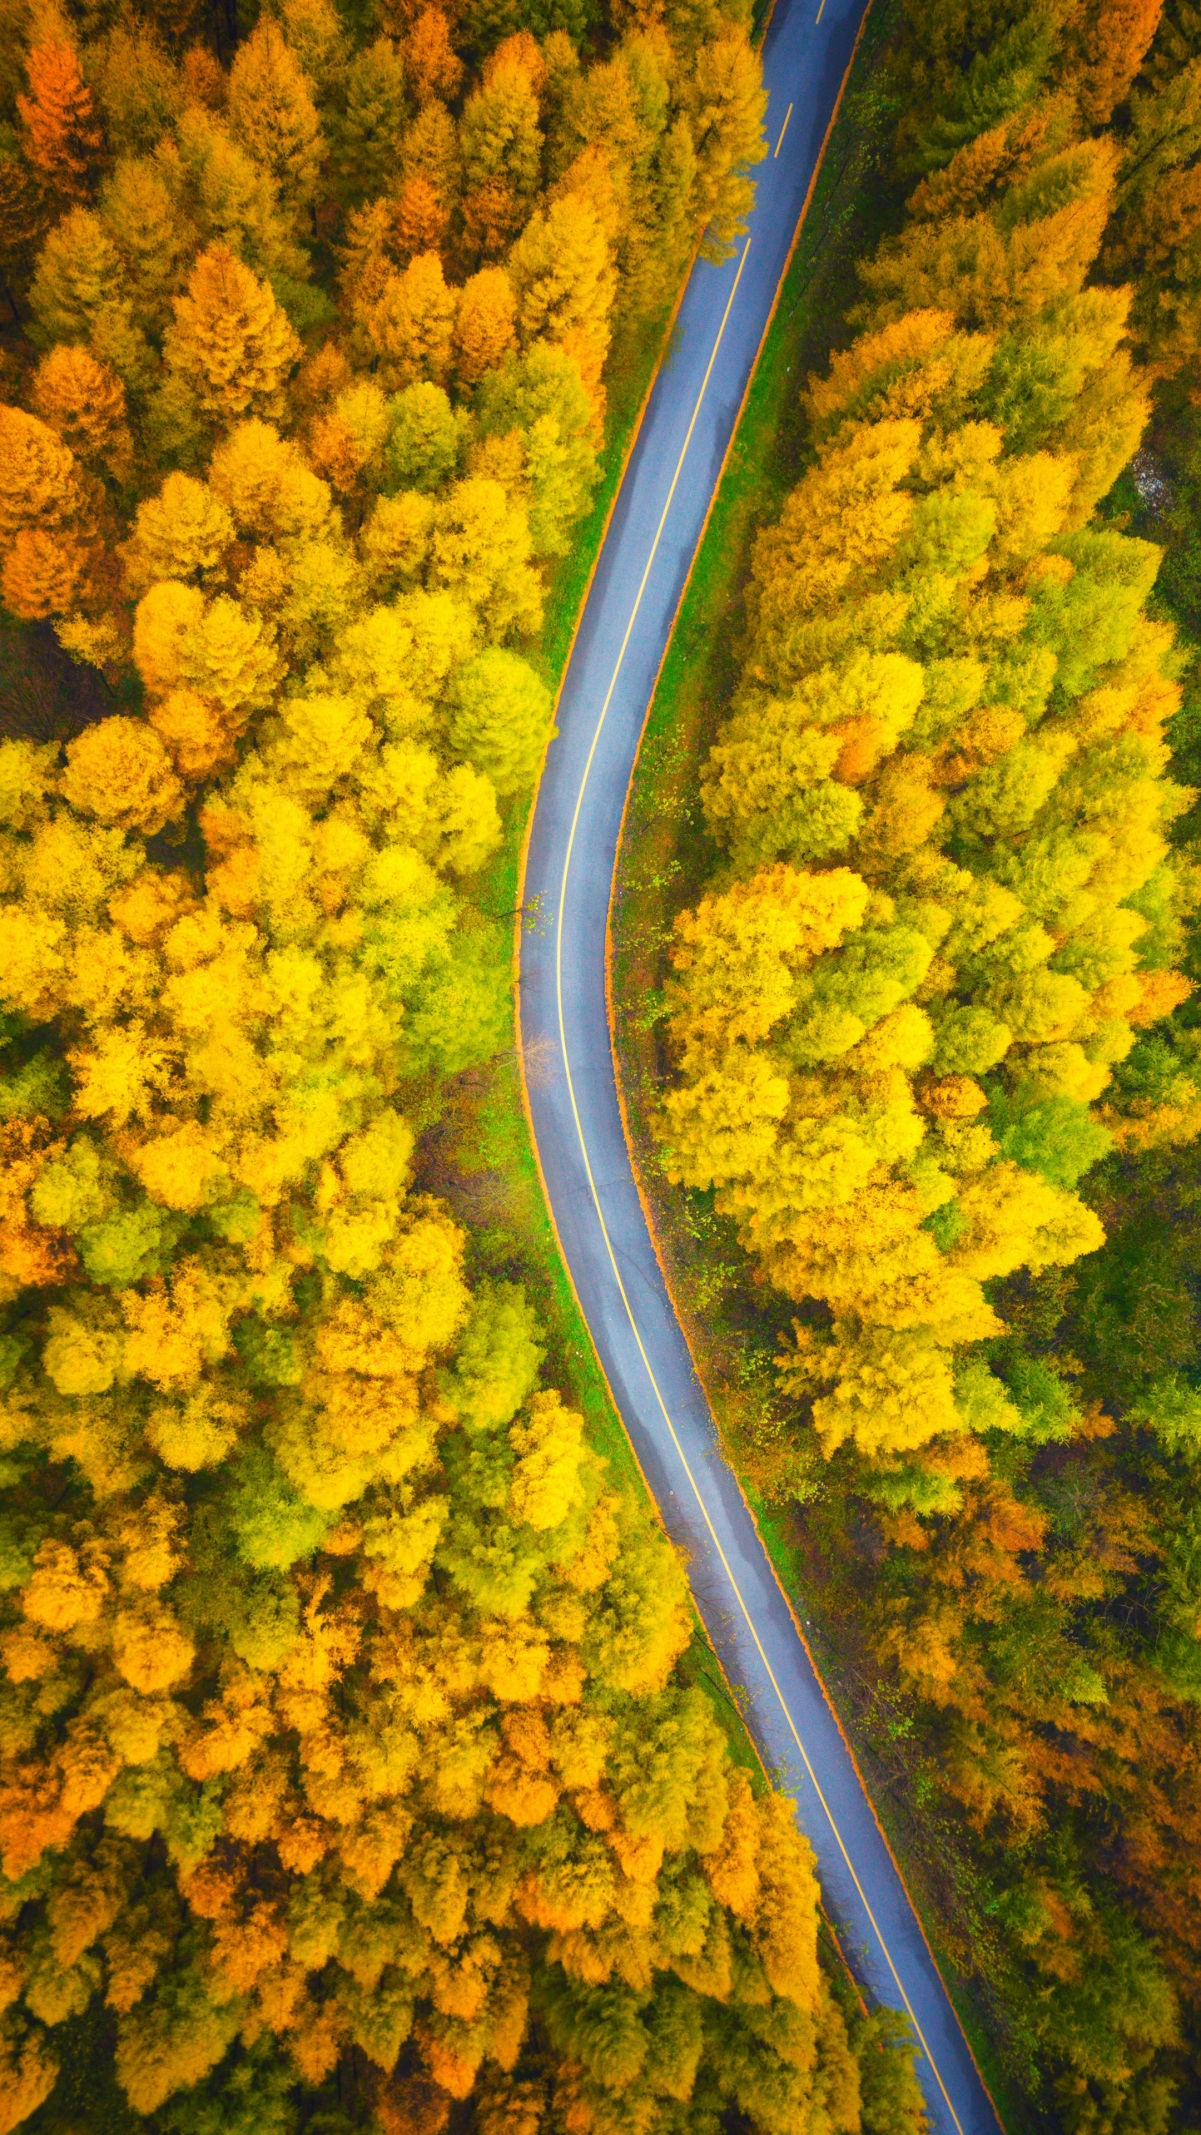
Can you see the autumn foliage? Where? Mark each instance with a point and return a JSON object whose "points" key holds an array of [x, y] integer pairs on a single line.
{"points": [[348, 1761], [930, 1022]]}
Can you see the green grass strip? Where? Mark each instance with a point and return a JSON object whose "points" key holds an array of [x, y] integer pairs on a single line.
{"points": [[666, 859]]}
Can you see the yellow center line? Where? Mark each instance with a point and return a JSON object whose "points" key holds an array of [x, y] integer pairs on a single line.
{"points": [[821, 10], [784, 127], [575, 1112]]}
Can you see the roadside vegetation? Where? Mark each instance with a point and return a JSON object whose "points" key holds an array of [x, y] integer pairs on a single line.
{"points": [[909, 886], [362, 1766]]}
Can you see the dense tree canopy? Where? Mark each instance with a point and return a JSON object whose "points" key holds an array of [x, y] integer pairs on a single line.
{"points": [[930, 1017], [349, 1775]]}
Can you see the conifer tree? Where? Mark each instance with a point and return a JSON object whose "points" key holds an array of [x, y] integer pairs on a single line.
{"points": [[539, 400], [484, 324], [1104, 48], [84, 402], [419, 220], [139, 89], [41, 574], [143, 218], [501, 146], [79, 293], [564, 283], [183, 532], [272, 114], [725, 106], [234, 200], [431, 151], [63, 138], [230, 342], [412, 323], [316, 34], [39, 480], [432, 66], [500, 718], [372, 128]]}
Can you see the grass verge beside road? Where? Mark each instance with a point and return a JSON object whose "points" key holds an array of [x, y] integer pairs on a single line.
{"points": [[734, 1327], [479, 1156]]}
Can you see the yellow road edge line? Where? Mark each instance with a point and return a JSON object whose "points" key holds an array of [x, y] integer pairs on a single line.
{"points": [[725, 1563], [604, 711], [647, 1210], [629, 631], [517, 935]]}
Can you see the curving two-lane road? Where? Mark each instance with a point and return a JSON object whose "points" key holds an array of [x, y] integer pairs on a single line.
{"points": [[586, 1167]]}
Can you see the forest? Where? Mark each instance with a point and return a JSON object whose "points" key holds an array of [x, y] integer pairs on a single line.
{"points": [[352, 1777], [929, 1026]]}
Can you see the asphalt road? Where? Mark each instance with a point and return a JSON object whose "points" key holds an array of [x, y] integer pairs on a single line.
{"points": [[652, 536]]}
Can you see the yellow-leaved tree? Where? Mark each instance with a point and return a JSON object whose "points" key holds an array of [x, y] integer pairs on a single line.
{"points": [[347, 1741]]}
